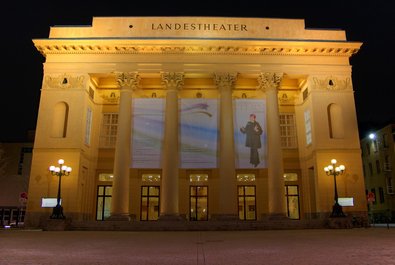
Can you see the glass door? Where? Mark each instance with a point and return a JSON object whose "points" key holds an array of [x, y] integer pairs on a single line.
{"points": [[149, 203], [198, 203], [246, 202], [103, 205]]}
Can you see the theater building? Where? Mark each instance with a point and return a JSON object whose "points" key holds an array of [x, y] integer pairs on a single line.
{"points": [[196, 119]]}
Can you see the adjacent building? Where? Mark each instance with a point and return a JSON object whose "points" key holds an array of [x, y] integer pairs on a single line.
{"points": [[378, 159], [196, 119]]}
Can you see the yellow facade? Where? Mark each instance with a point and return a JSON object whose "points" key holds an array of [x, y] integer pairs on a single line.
{"points": [[217, 58]]}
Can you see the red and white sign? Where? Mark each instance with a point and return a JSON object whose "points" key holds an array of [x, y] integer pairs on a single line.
{"points": [[371, 197]]}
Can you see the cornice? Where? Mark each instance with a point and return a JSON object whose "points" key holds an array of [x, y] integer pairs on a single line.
{"points": [[210, 47]]}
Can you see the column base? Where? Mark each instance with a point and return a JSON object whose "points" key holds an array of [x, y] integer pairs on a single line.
{"points": [[119, 217], [171, 217], [224, 217], [275, 217]]}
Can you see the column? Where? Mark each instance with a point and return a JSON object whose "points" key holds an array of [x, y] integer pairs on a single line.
{"points": [[120, 189], [227, 173], [170, 156], [270, 82]]}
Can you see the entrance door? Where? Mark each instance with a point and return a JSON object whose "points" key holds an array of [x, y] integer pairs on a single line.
{"points": [[246, 201], [198, 203], [292, 200], [149, 203], [103, 206]]}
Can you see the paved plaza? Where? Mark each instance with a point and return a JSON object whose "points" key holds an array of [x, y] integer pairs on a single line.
{"points": [[357, 246]]}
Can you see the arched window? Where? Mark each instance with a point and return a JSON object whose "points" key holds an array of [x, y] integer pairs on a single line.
{"points": [[59, 120], [335, 119]]}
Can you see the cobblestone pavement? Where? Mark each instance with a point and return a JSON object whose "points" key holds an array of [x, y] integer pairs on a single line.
{"points": [[358, 246]]}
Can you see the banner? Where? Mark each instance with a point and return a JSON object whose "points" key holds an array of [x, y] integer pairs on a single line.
{"points": [[198, 123], [250, 133], [147, 132]]}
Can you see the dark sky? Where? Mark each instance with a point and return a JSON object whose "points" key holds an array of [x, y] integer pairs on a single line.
{"points": [[372, 24]]}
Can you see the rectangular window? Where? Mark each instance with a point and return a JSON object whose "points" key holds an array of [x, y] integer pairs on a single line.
{"points": [[307, 123], [88, 126], [381, 194], [390, 189], [368, 148], [288, 130], [22, 155], [108, 134], [378, 168], [370, 169], [373, 190]]}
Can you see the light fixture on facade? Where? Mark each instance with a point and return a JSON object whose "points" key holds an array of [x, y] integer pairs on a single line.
{"points": [[333, 170], [61, 170]]}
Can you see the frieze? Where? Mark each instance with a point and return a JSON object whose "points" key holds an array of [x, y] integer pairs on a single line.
{"points": [[110, 96], [185, 49], [331, 83], [64, 81]]}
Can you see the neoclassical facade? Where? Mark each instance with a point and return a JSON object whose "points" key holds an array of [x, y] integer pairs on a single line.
{"points": [[156, 116]]}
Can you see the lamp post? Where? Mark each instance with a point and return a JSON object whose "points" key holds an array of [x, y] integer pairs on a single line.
{"points": [[333, 170], [61, 170]]}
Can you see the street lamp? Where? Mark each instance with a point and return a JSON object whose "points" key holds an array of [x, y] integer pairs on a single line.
{"points": [[61, 170], [333, 170]]}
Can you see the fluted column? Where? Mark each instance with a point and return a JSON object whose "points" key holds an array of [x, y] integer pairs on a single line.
{"points": [[120, 189], [170, 156], [227, 174], [270, 82]]}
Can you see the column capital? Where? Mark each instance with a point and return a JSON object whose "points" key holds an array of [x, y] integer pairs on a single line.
{"points": [[269, 80], [225, 81], [130, 80], [172, 80]]}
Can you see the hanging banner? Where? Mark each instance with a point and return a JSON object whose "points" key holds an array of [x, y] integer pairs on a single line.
{"points": [[250, 133], [147, 132], [198, 123]]}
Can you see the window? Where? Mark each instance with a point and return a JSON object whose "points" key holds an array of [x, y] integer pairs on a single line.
{"points": [[198, 198], [103, 206], [149, 203], [108, 135], [368, 148], [246, 202], [370, 169], [88, 126], [307, 123], [385, 140], [288, 130], [22, 157], [376, 146], [373, 190], [378, 168], [390, 189], [381, 194]]}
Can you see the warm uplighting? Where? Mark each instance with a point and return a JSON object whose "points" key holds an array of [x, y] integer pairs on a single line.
{"points": [[333, 170], [61, 170]]}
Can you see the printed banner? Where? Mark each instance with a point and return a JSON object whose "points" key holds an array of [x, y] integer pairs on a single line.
{"points": [[250, 133], [147, 132], [198, 121]]}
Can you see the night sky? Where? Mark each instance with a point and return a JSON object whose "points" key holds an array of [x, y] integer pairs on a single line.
{"points": [[373, 24]]}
